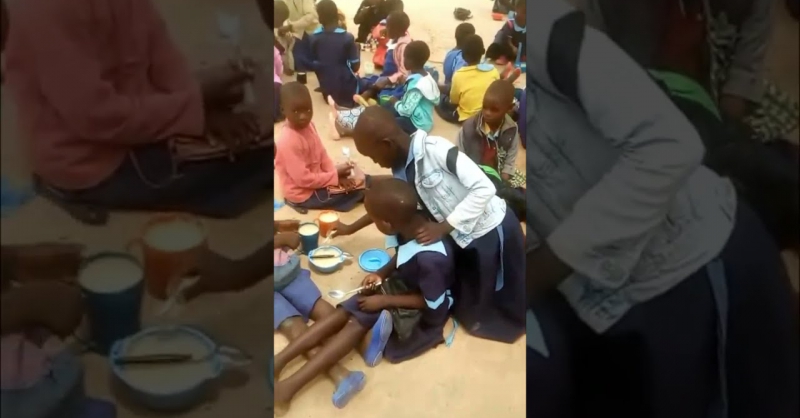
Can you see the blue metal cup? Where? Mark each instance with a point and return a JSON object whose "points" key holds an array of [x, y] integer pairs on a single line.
{"points": [[309, 241], [113, 315]]}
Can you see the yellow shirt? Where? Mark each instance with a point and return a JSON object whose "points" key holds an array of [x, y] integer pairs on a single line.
{"points": [[469, 86]]}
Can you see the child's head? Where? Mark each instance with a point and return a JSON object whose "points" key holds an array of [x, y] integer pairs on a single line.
{"points": [[280, 15], [377, 135], [462, 31], [394, 6], [520, 10], [497, 102], [328, 13], [416, 55], [397, 25], [472, 49], [392, 205], [296, 105]]}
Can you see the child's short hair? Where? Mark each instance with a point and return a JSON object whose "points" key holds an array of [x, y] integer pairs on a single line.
{"points": [[472, 50], [392, 200], [418, 52], [462, 31], [399, 20], [328, 12], [501, 90], [395, 5], [293, 90]]}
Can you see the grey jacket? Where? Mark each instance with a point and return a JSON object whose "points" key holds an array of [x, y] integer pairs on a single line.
{"points": [[471, 136], [636, 24], [616, 187]]}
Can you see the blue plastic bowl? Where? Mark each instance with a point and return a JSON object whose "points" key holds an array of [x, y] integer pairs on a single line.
{"points": [[373, 260]]}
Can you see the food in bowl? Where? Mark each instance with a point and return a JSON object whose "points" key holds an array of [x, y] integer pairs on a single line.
{"points": [[166, 378], [326, 257], [173, 236], [110, 274]]}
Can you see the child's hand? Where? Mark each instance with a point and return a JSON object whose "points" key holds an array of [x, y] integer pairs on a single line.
{"points": [[382, 83], [56, 306], [341, 229], [344, 170], [45, 261], [370, 283], [374, 303], [283, 30], [431, 232], [287, 240], [286, 225], [505, 176], [215, 273]]}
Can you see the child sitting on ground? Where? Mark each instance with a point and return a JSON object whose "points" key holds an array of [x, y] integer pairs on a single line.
{"points": [[454, 60], [491, 137], [509, 43], [415, 110], [336, 56], [305, 169], [469, 83], [421, 282], [284, 40], [298, 299], [379, 33], [390, 82]]}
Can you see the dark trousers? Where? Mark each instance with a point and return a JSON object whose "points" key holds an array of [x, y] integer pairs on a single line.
{"points": [[218, 188], [660, 359]]}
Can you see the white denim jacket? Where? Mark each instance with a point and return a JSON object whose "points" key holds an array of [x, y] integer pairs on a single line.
{"points": [[467, 199]]}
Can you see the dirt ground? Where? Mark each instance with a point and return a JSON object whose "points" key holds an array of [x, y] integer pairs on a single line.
{"points": [[490, 375]]}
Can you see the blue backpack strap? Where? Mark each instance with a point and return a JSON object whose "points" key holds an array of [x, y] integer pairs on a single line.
{"points": [[563, 54]]}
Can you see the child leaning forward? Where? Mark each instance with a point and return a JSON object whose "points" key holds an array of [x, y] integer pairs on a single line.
{"points": [[420, 285]]}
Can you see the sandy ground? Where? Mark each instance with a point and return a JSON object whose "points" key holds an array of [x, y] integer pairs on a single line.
{"points": [[489, 375]]}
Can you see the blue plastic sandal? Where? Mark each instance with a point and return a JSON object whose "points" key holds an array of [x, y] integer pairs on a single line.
{"points": [[348, 388], [381, 332]]}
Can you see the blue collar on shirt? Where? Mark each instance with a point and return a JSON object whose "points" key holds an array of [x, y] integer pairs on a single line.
{"points": [[518, 28], [411, 248], [320, 29], [484, 67]]}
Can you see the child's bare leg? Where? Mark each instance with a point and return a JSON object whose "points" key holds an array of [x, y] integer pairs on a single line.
{"points": [[316, 334], [293, 328], [331, 353], [334, 131]]}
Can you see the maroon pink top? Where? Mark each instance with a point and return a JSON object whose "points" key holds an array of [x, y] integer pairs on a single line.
{"points": [[91, 80]]}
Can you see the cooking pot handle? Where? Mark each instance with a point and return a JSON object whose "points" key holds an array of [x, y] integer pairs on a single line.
{"points": [[233, 357]]}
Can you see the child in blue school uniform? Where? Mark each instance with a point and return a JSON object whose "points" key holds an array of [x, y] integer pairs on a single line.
{"points": [[460, 204], [420, 282], [389, 82], [454, 58], [336, 56]]}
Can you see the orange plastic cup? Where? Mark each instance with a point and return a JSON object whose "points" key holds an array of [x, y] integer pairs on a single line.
{"points": [[327, 222], [168, 255]]}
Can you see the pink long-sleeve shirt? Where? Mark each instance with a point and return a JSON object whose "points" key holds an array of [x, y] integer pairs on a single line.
{"points": [[302, 164], [93, 79], [277, 62]]}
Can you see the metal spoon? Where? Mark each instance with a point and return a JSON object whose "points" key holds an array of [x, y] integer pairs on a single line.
{"points": [[339, 294]]}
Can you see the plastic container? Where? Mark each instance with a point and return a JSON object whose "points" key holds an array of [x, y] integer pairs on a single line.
{"points": [[373, 260], [329, 266], [221, 357], [114, 312], [163, 267]]}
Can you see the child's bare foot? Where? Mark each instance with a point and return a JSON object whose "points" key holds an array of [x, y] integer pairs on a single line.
{"points": [[334, 131], [283, 400], [360, 100]]}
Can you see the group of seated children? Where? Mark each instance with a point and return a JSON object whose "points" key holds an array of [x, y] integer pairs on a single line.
{"points": [[408, 92]]}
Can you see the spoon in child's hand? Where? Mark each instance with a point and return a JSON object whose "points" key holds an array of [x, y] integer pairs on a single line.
{"points": [[340, 294]]}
